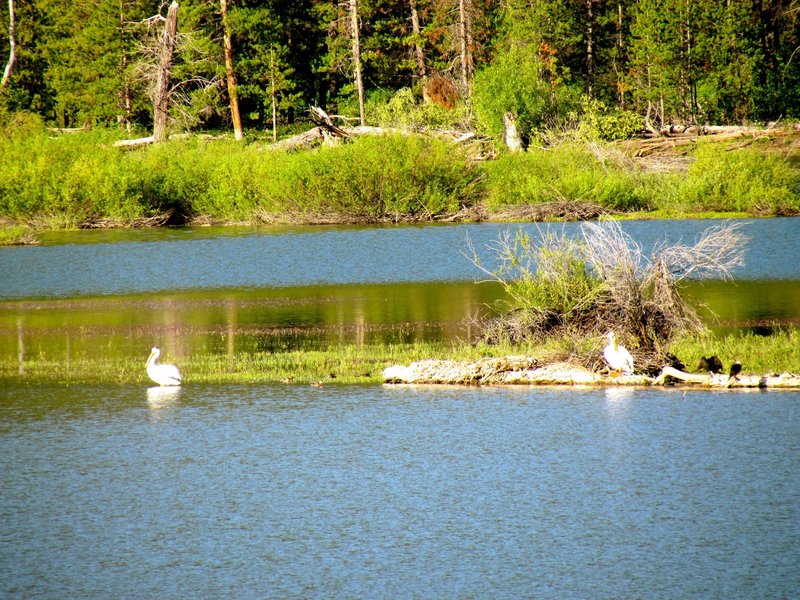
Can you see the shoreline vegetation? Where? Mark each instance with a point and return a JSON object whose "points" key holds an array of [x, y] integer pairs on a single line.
{"points": [[53, 180]]}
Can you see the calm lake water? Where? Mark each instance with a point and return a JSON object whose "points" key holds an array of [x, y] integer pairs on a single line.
{"points": [[372, 492], [398, 492]]}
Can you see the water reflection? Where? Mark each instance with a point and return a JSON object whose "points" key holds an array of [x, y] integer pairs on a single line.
{"points": [[229, 321], [159, 397], [617, 396], [428, 292]]}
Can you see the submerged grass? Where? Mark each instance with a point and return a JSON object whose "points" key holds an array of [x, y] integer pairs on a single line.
{"points": [[351, 364]]}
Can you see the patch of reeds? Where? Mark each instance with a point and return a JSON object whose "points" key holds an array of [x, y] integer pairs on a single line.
{"points": [[56, 180], [16, 235], [340, 364], [725, 178], [569, 172]]}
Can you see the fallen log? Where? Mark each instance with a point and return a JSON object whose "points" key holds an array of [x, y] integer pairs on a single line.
{"points": [[721, 380], [503, 371], [526, 370], [135, 142]]}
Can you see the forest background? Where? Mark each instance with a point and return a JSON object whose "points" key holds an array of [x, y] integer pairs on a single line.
{"points": [[83, 62], [566, 75]]}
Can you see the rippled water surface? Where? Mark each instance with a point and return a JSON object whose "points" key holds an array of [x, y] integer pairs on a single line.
{"points": [[397, 492], [371, 492]]}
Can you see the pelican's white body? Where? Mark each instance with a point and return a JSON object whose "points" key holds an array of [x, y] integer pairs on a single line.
{"points": [[618, 357], [162, 374]]}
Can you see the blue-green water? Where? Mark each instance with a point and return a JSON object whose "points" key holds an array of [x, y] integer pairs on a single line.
{"points": [[371, 492], [190, 259], [398, 492], [85, 294]]}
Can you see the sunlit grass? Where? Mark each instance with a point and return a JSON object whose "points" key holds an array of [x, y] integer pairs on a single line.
{"points": [[352, 364], [776, 353]]}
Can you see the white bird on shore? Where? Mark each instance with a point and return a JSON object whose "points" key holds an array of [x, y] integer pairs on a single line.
{"points": [[618, 357], [162, 374]]}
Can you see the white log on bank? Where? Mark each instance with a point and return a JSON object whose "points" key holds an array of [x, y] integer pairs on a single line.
{"points": [[503, 371], [525, 370]]}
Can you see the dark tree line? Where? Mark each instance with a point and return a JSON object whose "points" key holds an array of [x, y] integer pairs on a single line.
{"points": [[92, 61]]}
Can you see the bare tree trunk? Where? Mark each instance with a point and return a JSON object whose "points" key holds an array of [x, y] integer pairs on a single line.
{"points": [[357, 58], [619, 44], [273, 95], [419, 57], [513, 140], [161, 110], [125, 102], [233, 97], [12, 46], [465, 41]]}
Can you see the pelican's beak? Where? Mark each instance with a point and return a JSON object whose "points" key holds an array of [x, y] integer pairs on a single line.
{"points": [[148, 358]]}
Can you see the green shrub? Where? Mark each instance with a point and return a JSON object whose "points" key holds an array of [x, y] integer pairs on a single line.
{"points": [[404, 111], [516, 82], [373, 178], [563, 173], [725, 179], [598, 122]]}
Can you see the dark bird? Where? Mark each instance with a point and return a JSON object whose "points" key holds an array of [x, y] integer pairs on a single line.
{"points": [[675, 362], [711, 364], [736, 368]]}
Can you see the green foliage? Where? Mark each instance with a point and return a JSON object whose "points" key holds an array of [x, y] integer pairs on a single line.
{"points": [[569, 172], [72, 179], [11, 235], [372, 179], [515, 83], [403, 110], [777, 353], [598, 122], [726, 179], [548, 275]]}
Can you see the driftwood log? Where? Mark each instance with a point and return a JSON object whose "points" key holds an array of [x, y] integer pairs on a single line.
{"points": [[674, 137], [328, 132], [526, 370], [721, 380]]}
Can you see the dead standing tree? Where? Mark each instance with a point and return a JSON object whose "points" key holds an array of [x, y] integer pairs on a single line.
{"points": [[236, 118], [161, 103], [12, 46], [357, 58]]}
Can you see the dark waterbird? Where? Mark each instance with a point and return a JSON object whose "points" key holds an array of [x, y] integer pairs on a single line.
{"points": [[736, 368], [711, 364]]}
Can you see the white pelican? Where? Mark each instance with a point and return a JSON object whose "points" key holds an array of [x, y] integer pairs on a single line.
{"points": [[618, 356], [162, 374]]}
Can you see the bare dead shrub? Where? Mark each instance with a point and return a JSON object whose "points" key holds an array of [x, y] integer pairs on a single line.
{"points": [[562, 287]]}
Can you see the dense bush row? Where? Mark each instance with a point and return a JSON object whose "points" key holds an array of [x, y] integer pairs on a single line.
{"points": [[69, 180], [72, 179]]}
